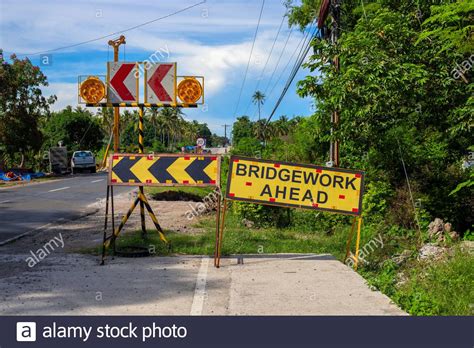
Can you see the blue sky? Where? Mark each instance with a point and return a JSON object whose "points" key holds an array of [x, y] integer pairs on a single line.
{"points": [[213, 39]]}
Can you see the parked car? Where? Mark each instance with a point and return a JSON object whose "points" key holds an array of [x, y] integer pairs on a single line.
{"points": [[83, 160]]}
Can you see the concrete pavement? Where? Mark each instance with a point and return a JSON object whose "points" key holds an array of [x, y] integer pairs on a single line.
{"points": [[34, 206], [71, 284]]}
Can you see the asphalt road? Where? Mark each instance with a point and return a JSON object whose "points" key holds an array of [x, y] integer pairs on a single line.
{"points": [[29, 207]]}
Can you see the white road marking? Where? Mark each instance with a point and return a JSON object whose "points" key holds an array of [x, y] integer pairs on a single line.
{"points": [[93, 181], [200, 290], [3, 242], [59, 189], [4, 202]]}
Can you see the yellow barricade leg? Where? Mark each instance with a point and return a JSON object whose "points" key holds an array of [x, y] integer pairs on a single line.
{"points": [[356, 257]]}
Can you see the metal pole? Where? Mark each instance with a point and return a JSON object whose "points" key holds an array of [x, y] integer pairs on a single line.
{"points": [[218, 219], [115, 44], [334, 147], [225, 133], [349, 239], [141, 150], [356, 257], [105, 225], [113, 217], [221, 234]]}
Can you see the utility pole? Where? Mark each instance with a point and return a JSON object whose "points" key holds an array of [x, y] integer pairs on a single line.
{"points": [[115, 44], [225, 133], [336, 15], [332, 7]]}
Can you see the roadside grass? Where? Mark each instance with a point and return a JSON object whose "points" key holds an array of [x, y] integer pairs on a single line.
{"points": [[240, 240], [444, 287]]}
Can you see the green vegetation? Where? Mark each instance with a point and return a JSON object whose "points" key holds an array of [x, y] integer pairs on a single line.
{"points": [[440, 288], [241, 240], [405, 99]]}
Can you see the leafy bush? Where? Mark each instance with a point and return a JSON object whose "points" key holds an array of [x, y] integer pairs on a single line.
{"points": [[263, 216]]}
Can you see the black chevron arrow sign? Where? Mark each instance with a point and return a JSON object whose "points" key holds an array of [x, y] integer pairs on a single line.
{"points": [[122, 169], [164, 170], [160, 172], [196, 169]]}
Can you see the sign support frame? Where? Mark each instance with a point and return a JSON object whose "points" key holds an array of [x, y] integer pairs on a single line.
{"points": [[220, 234], [141, 199]]}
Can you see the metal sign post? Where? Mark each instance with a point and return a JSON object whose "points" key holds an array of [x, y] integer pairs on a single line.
{"points": [[116, 44]]}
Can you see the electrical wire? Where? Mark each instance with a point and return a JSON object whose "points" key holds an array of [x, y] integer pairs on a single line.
{"points": [[268, 59], [276, 67], [117, 32], [250, 56], [278, 61], [302, 44], [302, 55], [303, 38]]}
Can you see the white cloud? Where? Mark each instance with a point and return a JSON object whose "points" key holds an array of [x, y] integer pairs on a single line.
{"points": [[213, 40], [66, 93]]}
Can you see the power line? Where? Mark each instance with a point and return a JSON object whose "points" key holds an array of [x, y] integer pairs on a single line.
{"points": [[277, 65], [302, 43], [250, 56], [117, 32], [279, 59], [295, 69], [268, 59]]}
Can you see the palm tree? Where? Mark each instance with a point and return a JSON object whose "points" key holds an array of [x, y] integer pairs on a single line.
{"points": [[107, 116], [259, 130], [281, 126], [172, 124], [258, 98]]}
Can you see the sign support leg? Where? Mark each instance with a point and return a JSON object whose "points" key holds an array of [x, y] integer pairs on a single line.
{"points": [[113, 217], [349, 239], [221, 234], [154, 219], [356, 257], [141, 149], [105, 224], [218, 219], [122, 223], [142, 213]]}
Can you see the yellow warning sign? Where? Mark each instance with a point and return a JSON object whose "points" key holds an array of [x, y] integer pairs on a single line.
{"points": [[295, 185], [164, 170]]}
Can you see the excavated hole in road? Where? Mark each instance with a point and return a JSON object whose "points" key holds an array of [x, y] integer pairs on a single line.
{"points": [[176, 196]]}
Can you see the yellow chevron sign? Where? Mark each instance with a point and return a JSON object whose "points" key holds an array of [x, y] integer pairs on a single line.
{"points": [[164, 170], [295, 185]]}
